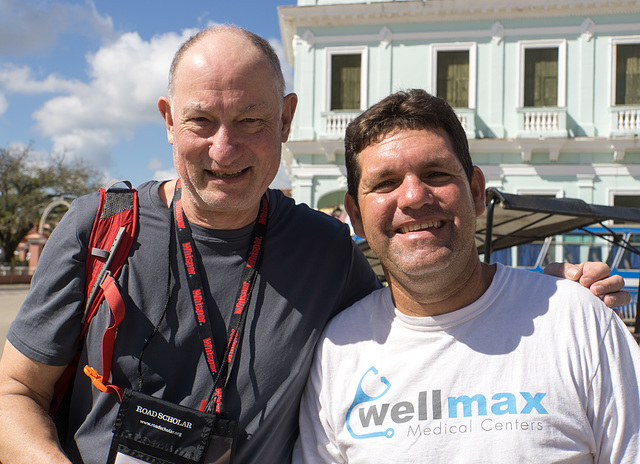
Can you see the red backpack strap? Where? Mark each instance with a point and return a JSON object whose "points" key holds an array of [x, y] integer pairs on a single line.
{"points": [[111, 239], [112, 236]]}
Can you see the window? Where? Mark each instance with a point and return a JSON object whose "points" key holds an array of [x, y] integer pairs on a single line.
{"points": [[627, 74], [453, 77], [453, 73], [345, 82], [541, 77], [346, 79], [543, 73], [628, 201]]}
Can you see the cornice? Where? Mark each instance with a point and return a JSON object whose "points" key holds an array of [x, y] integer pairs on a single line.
{"points": [[294, 18], [617, 147]]}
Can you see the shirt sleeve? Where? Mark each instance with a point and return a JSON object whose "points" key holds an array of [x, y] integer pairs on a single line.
{"points": [[361, 279], [48, 325], [615, 396], [317, 442]]}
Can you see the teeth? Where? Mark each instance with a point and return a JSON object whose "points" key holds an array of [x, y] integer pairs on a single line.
{"points": [[428, 225], [225, 174]]}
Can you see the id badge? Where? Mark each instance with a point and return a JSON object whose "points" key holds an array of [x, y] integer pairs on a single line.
{"points": [[151, 430]]}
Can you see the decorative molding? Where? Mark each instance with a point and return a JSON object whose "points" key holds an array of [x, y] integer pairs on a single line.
{"points": [[588, 29], [497, 33], [386, 37], [586, 180], [308, 39], [329, 154], [389, 13]]}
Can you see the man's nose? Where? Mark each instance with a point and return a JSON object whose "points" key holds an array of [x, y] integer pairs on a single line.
{"points": [[414, 193], [223, 145]]}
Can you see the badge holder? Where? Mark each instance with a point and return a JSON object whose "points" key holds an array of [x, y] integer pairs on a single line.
{"points": [[151, 430]]}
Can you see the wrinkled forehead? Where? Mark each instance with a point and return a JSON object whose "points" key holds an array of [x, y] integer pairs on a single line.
{"points": [[406, 150]]}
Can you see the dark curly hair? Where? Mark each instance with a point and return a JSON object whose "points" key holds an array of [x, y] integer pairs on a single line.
{"points": [[413, 109]]}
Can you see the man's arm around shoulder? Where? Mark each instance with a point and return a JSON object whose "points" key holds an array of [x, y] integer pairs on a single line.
{"points": [[27, 433]]}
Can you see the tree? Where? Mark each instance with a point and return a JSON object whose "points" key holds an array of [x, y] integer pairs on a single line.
{"points": [[29, 184]]}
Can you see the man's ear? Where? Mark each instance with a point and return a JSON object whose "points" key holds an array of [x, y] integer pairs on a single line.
{"points": [[478, 190], [288, 110], [354, 215], [164, 105]]}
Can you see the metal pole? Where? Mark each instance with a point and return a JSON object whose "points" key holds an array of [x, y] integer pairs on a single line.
{"points": [[488, 245]]}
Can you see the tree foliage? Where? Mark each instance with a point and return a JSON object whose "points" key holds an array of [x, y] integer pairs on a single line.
{"points": [[28, 184]]}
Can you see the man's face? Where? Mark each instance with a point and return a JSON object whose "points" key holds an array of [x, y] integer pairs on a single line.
{"points": [[417, 208], [226, 123]]}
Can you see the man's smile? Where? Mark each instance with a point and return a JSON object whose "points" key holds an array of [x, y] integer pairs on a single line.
{"points": [[226, 174], [424, 226]]}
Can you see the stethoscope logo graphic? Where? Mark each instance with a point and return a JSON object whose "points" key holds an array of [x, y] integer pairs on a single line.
{"points": [[362, 397]]}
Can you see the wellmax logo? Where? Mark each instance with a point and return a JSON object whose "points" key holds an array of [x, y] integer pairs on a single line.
{"points": [[362, 397], [429, 406]]}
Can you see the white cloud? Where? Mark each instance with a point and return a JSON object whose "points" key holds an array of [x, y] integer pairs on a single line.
{"points": [[164, 174], [4, 104], [79, 142], [160, 172], [20, 79], [154, 164], [126, 78], [28, 26]]}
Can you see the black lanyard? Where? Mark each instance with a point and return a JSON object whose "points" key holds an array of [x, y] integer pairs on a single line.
{"points": [[236, 325]]}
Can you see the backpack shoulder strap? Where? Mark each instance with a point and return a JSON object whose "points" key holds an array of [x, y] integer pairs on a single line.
{"points": [[111, 239], [112, 235]]}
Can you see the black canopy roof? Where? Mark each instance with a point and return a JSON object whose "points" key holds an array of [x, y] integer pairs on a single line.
{"points": [[517, 219]]}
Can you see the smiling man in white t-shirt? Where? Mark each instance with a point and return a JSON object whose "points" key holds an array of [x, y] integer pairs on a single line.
{"points": [[457, 360]]}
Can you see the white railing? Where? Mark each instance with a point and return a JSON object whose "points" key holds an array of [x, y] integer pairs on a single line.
{"points": [[337, 122], [541, 121], [16, 270], [628, 120], [464, 118]]}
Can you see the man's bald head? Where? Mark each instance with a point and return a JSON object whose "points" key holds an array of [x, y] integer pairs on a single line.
{"points": [[227, 33]]}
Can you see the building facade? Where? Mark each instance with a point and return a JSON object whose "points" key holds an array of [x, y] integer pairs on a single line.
{"points": [[548, 90]]}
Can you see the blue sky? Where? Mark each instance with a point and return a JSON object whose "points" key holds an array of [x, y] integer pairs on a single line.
{"points": [[83, 77]]}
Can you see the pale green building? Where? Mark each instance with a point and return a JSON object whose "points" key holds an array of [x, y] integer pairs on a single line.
{"points": [[548, 91]]}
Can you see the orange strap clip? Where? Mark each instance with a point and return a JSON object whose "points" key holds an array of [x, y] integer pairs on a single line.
{"points": [[96, 379]]}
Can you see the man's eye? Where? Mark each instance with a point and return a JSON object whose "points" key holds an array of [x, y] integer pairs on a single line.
{"points": [[385, 185], [438, 176], [250, 121], [197, 120]]}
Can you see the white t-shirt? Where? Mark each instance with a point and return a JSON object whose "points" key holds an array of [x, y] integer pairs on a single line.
{"points": [[536, 370]]}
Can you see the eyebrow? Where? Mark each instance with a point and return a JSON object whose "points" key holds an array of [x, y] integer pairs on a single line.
{"points": [[253, 106], [203, 109], [426, 165]]}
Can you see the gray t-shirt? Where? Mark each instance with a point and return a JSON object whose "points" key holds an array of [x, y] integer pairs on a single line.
{"points": [[311, 269]]}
